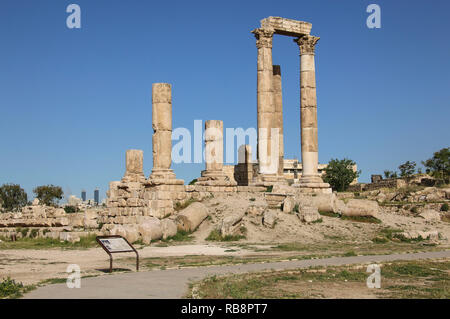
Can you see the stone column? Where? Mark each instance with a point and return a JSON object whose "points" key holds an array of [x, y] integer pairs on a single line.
{"points": [[265, 101], [162, 131], [308, 114], [214, 147], [278, 123], [134, 166], [213, 174]]}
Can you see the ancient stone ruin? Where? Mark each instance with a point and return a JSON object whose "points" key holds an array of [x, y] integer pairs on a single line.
{"points": [[135, 197]]}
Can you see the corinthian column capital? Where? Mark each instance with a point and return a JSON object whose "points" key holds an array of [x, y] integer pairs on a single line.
{"points": [[307, 44], [263, 37]]}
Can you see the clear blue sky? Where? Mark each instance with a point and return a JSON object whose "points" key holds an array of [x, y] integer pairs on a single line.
{"points": [[73, 101]]}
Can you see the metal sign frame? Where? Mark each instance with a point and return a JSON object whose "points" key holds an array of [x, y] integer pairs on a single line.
{"points": [[114, 252]]}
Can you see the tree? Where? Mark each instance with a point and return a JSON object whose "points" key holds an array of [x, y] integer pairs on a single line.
{"points": [[339, 174], [12, 197], [48, 194], [390, 174], [407, 169], [439, 165]]}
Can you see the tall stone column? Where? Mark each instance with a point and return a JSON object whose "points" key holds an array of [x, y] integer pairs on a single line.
{"points": [[265, 102], [278, 123], [162, 131], [214, 147], [308, 114], [134, 160], [214, 175]]}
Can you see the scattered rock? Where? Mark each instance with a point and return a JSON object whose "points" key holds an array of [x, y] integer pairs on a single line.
{"points": [[255, 210], [430, 215], [431, 235], [308, 214], [70, 237], [288, 204], [230, 223], [269, 218]]}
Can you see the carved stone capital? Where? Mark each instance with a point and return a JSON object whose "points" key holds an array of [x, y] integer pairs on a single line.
{"points": [[307, 44], [263, 37]]}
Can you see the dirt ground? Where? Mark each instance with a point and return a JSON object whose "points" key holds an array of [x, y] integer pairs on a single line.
{"points": [[290, 238]]}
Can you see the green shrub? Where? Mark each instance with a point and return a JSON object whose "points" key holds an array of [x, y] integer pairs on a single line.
{"points": [[71, 209], [330, 214], [34, 233], [215, 235], [444, 207], [9, 288], [339, 174]]}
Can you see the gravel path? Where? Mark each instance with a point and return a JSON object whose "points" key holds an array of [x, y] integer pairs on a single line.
{"points": [[173, 283]]}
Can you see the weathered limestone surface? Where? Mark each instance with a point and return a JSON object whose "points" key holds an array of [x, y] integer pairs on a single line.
{"points": [[278, 116], [243, 171], [134, 166], [265, 101], [191, 217], [230, 224], [308, 110], [214, 176], [162, 135], [286, 26]]}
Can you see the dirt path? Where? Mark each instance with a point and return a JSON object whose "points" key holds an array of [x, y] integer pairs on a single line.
{"points": [[30, 266], [173, 283]]}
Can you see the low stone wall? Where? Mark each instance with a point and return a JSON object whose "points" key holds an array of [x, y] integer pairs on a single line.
{"points": [[49, 222]]}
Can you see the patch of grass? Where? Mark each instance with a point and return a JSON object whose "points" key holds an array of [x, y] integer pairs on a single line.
{"points": [[269, 189], [11, 289], [380, 240], [362, 219], [444, 207], [182, 205], [407, 279], [402, 238], [215, 235], [180, 236], [52, 281], [34, 233], [317, 221], [330, 214], [46, 243], [389, 232], [296, 208], [349, 254]]}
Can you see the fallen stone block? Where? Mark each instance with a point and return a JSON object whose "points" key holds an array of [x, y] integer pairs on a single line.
{"points": [[308, 214], [231, 223], [150, 229], [360, 207], [269, 218], [169, 228], [191, 217]]}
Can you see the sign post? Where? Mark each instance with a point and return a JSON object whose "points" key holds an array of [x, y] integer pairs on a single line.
{"points": [[116, 244]]}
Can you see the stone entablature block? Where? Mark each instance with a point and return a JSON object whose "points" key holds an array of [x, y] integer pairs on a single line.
{"points": [[287, 27]]}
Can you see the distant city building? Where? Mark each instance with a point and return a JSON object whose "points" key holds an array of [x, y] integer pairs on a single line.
{"points": [[83, 195], [97, 196]]}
